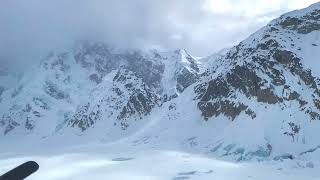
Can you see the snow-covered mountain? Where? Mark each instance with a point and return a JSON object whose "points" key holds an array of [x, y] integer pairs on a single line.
{"points": [[91, 82], [259, 99], [270, 83]]}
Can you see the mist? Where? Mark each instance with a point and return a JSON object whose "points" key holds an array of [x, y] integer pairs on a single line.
{"points": [[32, 28]]}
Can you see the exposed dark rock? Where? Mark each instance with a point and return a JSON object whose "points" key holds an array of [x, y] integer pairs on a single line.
{"points": [[313, 115], [149, 71], [138, 102], [241, 78], [36, 114], [291, 22], [293, 96], [251, 113], [272, 29], [245, 79], [302, 103], [29, 125], [216, 88], [284, 57], [95, 78], [28, 108], [185, 79], [172, 106], [53, 91], [310, 150], [11, 126], [257, 78], [283, 157], [41, 103], [81, 119], [303, 25], [317, 103], [167, 98], [295, 129], [8, 123], [141, 101], [226, 107], [268, 44], [267, 96]]}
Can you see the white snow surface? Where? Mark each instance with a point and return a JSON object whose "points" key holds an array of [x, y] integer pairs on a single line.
{"points": [[125, 160], [163, 148]]}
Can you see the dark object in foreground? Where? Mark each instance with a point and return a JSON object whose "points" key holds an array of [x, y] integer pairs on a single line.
{"points": [[21, 172]]}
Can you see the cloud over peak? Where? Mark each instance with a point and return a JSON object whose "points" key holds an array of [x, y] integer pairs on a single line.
{"points": [[31, 28]]}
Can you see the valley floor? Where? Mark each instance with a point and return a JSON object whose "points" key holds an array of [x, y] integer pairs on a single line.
{"points": [[123, 162]]}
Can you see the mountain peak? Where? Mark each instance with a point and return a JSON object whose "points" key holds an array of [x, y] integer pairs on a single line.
{"points": [[303, 21]]}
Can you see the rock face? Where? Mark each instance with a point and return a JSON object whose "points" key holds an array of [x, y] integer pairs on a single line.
{"points": [[137, 88], [267, 71], [187, 75], [266, 78], [304, 24], [126, 97], [131, 84]]}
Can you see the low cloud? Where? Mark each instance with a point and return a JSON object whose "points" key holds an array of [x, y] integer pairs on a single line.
{"points": [[31, 28]]}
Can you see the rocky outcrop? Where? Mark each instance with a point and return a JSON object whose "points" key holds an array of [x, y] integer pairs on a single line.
{"points": [[52, 90], [304, 24], [141, 100], [127, 99], [185, 78], [147, 69], [10, 120], [96, 56], [260, 73]]}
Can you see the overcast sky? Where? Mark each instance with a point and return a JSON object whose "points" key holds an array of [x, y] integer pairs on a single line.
{"points": [[30, 28]]}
